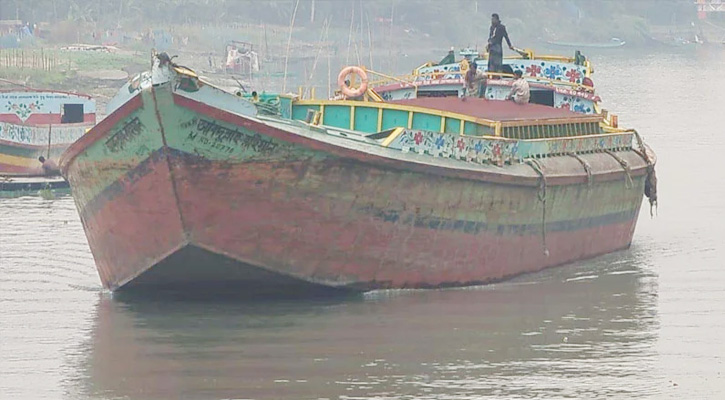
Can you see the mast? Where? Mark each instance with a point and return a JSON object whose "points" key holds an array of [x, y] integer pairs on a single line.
{"points": [[390, 38], [370, 40], [289, 42], [349, 38]]}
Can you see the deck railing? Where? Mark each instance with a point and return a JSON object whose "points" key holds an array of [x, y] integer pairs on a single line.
{"points": [[409, 117], [457, 136], [384, 79]]}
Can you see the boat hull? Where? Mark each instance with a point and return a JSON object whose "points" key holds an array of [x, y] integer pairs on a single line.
{"points": [[36, 123], [175, 193], [21, 145]]}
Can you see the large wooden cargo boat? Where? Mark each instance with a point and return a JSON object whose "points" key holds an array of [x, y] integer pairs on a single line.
{"points": [[186, 186]]}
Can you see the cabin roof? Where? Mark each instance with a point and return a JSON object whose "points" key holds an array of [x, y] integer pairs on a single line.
{"points": [[494, 110]]}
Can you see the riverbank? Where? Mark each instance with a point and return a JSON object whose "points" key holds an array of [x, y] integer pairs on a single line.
{"points": [[311, 56]]}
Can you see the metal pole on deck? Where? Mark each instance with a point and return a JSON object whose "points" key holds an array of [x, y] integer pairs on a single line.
{"points": [[50, 131]]}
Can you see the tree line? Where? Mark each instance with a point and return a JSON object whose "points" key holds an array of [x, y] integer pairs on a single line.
{"points": [[311, 11]]}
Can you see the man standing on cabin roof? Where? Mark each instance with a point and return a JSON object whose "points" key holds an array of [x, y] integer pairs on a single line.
{"points": [[496, 34], [520, 92]]}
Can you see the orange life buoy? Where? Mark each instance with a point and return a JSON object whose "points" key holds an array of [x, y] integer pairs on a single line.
{"points": [[347, 90], [464, 65]]}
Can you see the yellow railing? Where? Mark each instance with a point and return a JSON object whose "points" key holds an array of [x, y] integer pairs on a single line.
{"points": [[582, 125], [530, 55]]}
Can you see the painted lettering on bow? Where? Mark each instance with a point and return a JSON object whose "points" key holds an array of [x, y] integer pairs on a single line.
{"points": [[123, 136], [215, 136], [189, 123]]}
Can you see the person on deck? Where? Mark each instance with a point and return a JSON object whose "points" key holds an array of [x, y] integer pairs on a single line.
{"points": [[496, 34], [520, 92], [49, 167], [474, 82]]}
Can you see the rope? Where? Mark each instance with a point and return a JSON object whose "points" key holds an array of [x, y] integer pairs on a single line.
{"points": [[628, 182], [587, 168], [542, 198], [650, 186], [642, 150]]}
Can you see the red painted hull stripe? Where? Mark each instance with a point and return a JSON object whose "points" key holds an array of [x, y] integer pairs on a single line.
{"points": [[43, 119], [119, 187]]}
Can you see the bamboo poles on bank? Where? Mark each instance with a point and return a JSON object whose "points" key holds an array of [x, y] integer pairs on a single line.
{"points": [[39, 59]]}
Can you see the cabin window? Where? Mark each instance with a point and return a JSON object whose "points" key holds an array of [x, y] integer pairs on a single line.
{"points": [[72, 114], [543, 97]]}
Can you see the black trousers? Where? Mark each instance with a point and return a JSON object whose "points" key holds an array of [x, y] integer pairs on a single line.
{"points": [[495, 61]]}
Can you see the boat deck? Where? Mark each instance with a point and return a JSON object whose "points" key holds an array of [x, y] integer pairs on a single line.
{"points": [[494, 110]]}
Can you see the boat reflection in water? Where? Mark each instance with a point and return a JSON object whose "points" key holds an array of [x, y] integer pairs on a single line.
{"points": [[565, 328]]}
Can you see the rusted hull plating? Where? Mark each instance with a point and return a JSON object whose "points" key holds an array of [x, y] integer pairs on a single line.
{"points": [[173, 192]]}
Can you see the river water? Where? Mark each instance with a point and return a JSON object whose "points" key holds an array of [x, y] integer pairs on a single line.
{"points": [[643, 323]]}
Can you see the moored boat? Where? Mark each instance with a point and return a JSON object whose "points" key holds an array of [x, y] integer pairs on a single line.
{"points": [[35, 123], [186, 186], [555, 81], [612, 43]]}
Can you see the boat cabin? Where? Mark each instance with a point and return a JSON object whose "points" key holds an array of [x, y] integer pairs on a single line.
{"points": [[558, 82], [473, 117], [38, 107], [477, 130]]}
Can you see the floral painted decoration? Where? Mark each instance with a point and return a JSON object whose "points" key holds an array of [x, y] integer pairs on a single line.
{"points": [[533, 70], [553, 72], [573, 75], [23, 110]]}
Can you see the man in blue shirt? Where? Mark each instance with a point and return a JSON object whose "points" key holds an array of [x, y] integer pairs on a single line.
{"points": [[496, 34]]}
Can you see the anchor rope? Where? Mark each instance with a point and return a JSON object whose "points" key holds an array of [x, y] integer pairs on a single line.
{"points": [[586, 166], [541, 194], [628, 182], [650, 186], [642, 150]]}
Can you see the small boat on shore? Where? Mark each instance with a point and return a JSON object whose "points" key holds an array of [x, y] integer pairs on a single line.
{"points": [[613, 43], [22, 185], [555, 81], [35, 123], [185, 186]]}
